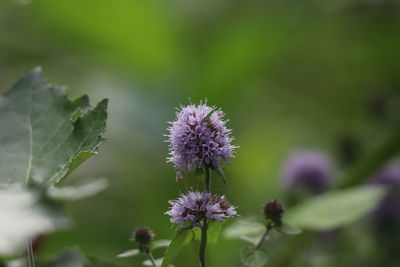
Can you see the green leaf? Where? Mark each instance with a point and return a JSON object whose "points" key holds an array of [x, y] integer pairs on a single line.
{"points": [[69, 258], [221, 173], [78, 191], [289, 229], [160, 243], [74, 258], [44, 135], [334, 209], [129, 253], [181, 239], [157, 261], [246, 229], [253, 257], [213, 231]]}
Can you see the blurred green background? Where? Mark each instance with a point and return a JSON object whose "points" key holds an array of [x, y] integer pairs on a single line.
{"points": [[289, 74]]}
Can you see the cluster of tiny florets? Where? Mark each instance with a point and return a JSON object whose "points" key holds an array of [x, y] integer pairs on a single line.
{"points": [[273, 210], [199, 138], [195, 206], [309, 170]]}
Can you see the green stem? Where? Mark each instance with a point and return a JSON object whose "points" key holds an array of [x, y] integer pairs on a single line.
{"points": [[269, 227], [151, 258], [207, 179], [203, 243], [204, 227]]}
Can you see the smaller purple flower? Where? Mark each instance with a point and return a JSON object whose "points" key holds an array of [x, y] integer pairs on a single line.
{"points": [[199, 138], [389, 208], [307, 170], [195, 206]]}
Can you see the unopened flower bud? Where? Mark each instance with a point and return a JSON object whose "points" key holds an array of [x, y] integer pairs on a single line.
{"points": [[143, 236], [273, 210]]}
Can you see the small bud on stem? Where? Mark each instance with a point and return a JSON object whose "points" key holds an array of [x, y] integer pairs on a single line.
{"points": [[143, 236], [273, 211]]}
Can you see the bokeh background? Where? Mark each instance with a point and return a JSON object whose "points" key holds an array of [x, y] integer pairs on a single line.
{"points": [[288, 74]]}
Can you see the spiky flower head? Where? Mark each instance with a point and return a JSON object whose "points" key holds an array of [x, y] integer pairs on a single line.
{"points": [[388, 211], [199, 138], [143, 236], [309, 170], [195, 206], [273, 210]]}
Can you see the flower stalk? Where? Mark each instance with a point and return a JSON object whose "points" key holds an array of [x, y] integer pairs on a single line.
{"points": [[264, 236], [204, 227], [151, 258], [203, 243]]}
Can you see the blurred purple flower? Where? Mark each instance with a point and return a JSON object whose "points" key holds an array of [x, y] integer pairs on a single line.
{"points": [[199, 138], [195, 206], [389, 208], [389, 175], [308, 170]]}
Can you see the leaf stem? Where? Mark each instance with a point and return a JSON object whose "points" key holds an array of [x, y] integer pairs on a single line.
{"points": [[151, 258], [269, 227]]}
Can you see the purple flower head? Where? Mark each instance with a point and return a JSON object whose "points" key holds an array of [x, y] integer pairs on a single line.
{"points": [[199, 137], [389, 208], [308, 170], [195, 206]]}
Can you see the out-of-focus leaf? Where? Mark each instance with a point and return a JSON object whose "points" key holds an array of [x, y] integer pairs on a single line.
{"points": [[22, 217], [70, 258], [213, 232], [289, 229], [155, 245], [335, 209], [160, 243], [245, 229], [79, 191], [181, 239], [129, 253], [41, 141], [157, 261], [75, 258], [253, 258]]}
